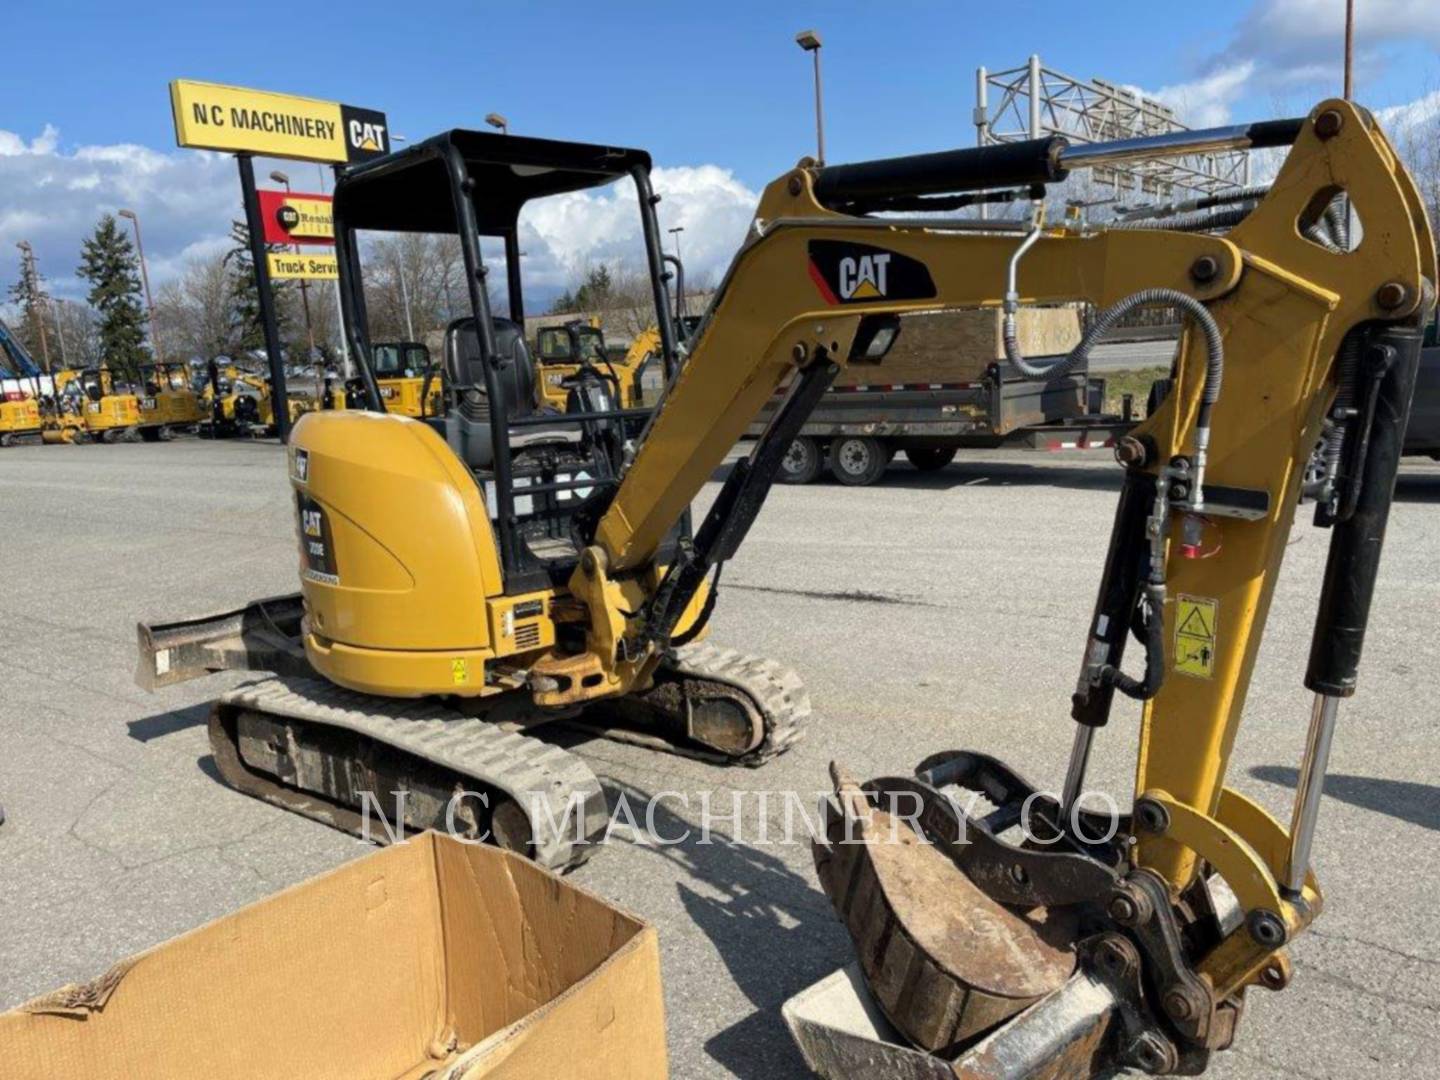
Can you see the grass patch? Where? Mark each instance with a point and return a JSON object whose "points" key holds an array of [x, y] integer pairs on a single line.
{"points": [[1133, 381]]}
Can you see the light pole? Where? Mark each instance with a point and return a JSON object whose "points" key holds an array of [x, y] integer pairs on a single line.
{"points": [[1349, 49], [32, 295], [498, 122], [280, 178], [145, 278], [809, 40], [339, 313], [404, 294], [675, 232]]}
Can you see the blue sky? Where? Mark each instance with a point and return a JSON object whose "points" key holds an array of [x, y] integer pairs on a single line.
{"points": [[84, 95]]}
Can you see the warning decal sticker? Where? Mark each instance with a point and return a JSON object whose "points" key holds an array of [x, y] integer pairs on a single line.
{"points": [[1195, 619]]}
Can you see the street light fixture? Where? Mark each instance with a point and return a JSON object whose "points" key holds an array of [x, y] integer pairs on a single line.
{"points": [[134, 219], [675, 232], [498, 122], [809, 40]]}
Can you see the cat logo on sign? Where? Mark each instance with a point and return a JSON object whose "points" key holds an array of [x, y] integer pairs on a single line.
{"points": [[1195, 619]]}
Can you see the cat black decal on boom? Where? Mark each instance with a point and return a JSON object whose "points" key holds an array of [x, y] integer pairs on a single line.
{"points": [[849, 273]]}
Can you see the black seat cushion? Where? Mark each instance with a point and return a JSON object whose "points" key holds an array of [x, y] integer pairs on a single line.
{"points": [[514, 369]]}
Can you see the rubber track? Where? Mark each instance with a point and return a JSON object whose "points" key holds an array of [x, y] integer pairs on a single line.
{"points": [[524, 768], [776, 691]]}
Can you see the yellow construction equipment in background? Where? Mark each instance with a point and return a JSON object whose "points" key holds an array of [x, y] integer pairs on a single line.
{"points": [[409, 381], [636, 379], [19, 419], [507, 565], [110, 414], [169, 403]]}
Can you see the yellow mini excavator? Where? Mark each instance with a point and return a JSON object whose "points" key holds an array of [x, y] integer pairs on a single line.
{"points": [[466, 577], [111, 414], [409, 383], [169, 403]]}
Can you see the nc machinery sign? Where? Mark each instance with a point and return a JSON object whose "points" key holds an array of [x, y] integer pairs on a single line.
{"points": [[213, 117]]}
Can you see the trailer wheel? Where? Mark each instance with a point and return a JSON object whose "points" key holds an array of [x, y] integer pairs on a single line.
{"points": [[930, 458], [802, 461], [858, 460]]}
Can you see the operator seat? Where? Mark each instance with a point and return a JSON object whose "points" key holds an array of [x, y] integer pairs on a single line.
{"points": [[467, 427]]}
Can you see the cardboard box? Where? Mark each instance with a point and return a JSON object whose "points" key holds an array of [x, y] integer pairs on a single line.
{"points": [[431, 958]]}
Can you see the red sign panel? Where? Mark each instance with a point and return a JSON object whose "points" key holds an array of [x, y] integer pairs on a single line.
{"points": [[294, 218]]}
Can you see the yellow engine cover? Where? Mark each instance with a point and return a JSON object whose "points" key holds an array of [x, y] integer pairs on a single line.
{"points": [[397, 557]]}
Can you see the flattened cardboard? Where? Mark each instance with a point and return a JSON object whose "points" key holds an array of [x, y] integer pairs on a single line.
{"points": [[429, 958]]}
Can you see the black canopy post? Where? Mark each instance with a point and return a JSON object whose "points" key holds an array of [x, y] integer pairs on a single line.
{"points": [[279, 396]]}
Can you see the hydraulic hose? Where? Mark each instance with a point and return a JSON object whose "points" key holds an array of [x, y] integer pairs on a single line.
{"points": [[1145, 688], [1202, 221], [1105, 321]]}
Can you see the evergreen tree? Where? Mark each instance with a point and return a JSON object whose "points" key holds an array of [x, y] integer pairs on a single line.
{"points": [[592, 294], [108, 263], [246, 325]]}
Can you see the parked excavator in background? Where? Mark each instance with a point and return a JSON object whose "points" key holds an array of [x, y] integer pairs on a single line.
{"points": [[468, 577], [409, 380], [169, 403], [111, 413]]}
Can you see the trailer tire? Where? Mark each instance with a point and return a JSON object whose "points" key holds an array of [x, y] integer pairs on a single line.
{"points": [[930, 458], [802, 461], [858, 460]]}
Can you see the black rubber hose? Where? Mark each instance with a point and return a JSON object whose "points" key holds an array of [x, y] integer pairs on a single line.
{"points": [[1107, 319], [1145, 688]]}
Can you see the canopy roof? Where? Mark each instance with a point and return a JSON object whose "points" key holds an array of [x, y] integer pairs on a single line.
{"points": [[409, 191]]}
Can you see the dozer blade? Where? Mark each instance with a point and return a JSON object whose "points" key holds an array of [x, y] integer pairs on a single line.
{"points": [[261, 636]]}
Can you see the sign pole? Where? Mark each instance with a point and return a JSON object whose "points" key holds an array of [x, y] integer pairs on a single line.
{"points": [[279, 398]]}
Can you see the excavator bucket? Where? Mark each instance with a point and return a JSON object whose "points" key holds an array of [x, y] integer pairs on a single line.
{"points": [[944, 961], [951, 981]]}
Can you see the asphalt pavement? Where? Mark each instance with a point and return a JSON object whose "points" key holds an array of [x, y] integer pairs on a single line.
{"points": [[931, 612]]}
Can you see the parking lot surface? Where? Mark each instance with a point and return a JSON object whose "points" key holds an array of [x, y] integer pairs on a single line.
{"points": [[934, 611]]}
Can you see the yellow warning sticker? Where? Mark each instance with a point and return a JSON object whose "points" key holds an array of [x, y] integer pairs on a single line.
{"points": [[460, 671], [1195, 619]]}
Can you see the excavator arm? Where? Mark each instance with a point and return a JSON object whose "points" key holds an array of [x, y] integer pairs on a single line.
{"points": [[1293, 340]]}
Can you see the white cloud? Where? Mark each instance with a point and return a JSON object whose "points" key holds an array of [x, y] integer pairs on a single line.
{"points": [[52, 196], [563, 235], [1206, 102], [1285, 47], [1401, 119]]}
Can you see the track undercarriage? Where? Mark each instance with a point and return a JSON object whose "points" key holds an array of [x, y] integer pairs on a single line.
{"points": [[380, 767]]}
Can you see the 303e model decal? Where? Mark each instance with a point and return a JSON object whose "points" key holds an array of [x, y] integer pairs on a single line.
{"points": [[848, 273]]}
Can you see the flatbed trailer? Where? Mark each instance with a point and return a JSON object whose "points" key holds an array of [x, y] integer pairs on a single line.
{"points": [[855, 431]]}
